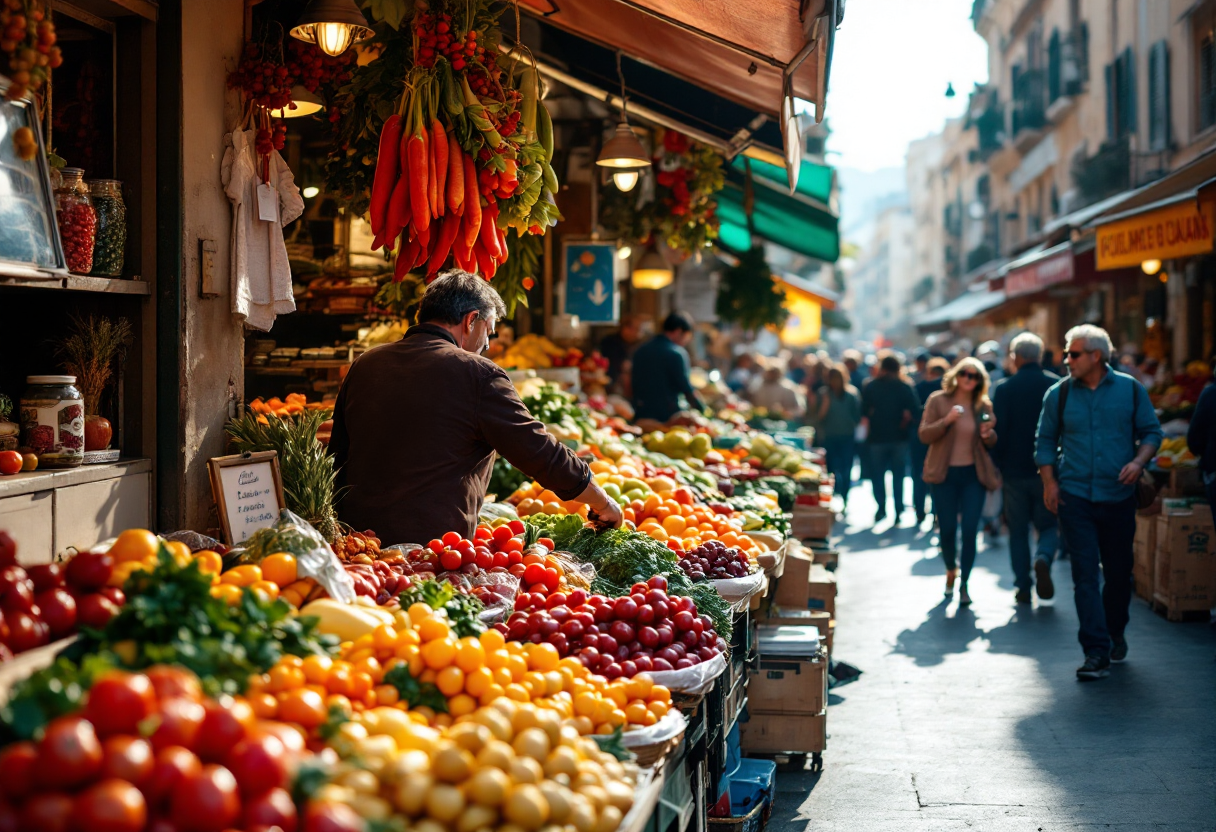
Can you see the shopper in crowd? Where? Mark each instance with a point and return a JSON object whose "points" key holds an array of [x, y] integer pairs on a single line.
{"points": [[1097, 431], [836, 420], [1017, 401], [859, 373], [1049, 362], [740, 376], [958, 425], [889, 405], [772, 391], [391, 452], [920, 365], [797, 366], [660, 371], [1201, 438], [619, 346], [935, 368]]}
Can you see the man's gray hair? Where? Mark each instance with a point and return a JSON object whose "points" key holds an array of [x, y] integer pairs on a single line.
{"points": [[1095, 338], [456, 293], [1028, 347]]}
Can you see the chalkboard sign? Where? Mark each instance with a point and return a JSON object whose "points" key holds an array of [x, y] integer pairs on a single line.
{"points": [[248, 492], [29, 235]]}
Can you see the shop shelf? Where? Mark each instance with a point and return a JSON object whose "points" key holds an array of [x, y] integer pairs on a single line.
{"points": [[32, 481], [29, 279]]}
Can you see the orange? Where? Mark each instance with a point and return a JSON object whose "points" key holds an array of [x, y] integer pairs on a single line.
{"points": [[502, 676], [639, 687], [341, 679], [386, 695], [583, 725], [517, 692], [337, 700], [122, 571], [585, 703], [264, 705], [637, 712], [303, 707], [283, 678], [209, 562], [316, 669], [280, 568], [134, 544], [470, 655], [496, 659], [450, 681], [493, 692], [267, 589], [371, 666], [477, 682], [660, 693], [544, 657], [179, 551], [431, 629], [439, 653], [461, 705], [617, 694], [227, 593], [361, 683], [674, 524], [518, 666], [492, 640], [658, 708], [244, 575], [384, 637], [419, 612]]}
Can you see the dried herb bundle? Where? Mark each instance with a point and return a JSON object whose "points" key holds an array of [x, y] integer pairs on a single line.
{"points": [[91, 351]]}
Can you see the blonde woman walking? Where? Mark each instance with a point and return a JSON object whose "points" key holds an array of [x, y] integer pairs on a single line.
{"points": [[958, 426]]}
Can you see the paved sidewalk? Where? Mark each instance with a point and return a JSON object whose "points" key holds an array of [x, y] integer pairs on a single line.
{"points": [[973, 719]]}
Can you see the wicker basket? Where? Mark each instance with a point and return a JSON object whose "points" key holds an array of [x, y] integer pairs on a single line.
{"points": [[653, 755]]}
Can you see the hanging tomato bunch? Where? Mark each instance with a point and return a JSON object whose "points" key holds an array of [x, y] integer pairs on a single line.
{"points": [[27, 39], [464, 147]]}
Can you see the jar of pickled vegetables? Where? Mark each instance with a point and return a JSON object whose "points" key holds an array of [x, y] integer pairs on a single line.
{"points": [[52, 421], [111, 239], [77, 221]]}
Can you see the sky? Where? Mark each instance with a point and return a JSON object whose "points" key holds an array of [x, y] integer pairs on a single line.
{"points": [[891, 64]]}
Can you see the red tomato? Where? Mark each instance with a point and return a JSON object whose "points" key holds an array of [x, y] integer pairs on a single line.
{"points": [[180, 720], [514, 545], [329, 816], [682, 495], [552, 579], [546, 542], [502, 534], [69, 753], [517, 569], [10, 463], [483, 533], [16, 589], [289, 735], [206, 802], [111, 806], [25, 631], [514, 556], [58, 611], [450, 560], [484, 559], [95, 610], [118, 702], [259, 763], [172, 765], [501, 559], [451, 538], [435, 546], [117, 596], [51, 812], [274, 808], [534, 573], [89, 570], [45, 576], [127, 758], [17, 770], [226, 723], [516, 526], [171, 682]]}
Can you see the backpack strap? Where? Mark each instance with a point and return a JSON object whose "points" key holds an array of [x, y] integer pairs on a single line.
{"points": [[1061, 400]]}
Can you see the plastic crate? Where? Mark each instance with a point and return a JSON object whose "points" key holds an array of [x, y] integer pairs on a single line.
{"points": [[753, 784]]}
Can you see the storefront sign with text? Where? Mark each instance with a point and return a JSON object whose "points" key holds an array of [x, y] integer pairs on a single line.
{"points": [[1176, 231]]}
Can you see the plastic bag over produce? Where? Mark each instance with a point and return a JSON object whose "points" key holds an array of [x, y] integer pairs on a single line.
{"points": [[314, 559]]}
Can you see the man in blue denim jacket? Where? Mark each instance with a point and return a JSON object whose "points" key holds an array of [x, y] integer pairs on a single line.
{"points": [[1089, 467]]}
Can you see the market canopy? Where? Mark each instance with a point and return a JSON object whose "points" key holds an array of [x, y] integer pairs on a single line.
{"points": [[963, 308], [801, 222], [654, 95], [814, 180]]}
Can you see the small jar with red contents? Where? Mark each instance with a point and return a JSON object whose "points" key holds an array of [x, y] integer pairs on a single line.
{"points": [[77, 220]]}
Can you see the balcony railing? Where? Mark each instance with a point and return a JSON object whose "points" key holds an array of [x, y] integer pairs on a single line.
{"points": [[1028, 111], [1104, 174]]}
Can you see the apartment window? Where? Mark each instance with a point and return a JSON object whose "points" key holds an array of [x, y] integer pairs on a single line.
{"points": [[1207, 82], [1054, 85], [1159, 96], [1121, 96]]}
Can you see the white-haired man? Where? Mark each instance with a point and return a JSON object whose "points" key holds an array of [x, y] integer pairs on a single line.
{"points": [[1097, 431], [1016, 402]]}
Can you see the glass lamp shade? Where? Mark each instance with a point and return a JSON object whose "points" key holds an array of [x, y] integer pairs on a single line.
{"points": [[306, 103], [623, 151], [625, 180], [333, 25]]}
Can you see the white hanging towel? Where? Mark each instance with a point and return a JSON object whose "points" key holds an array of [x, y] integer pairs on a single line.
{"points": [[261, 275]]}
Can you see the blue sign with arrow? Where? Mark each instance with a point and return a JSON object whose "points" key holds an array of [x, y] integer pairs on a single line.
{"points": [[591, 282]]}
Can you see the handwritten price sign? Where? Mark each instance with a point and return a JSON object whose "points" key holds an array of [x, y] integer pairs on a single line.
{"points": [[248, 492]]}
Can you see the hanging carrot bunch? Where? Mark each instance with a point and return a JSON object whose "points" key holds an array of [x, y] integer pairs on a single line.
{"points": [[465, 156]]}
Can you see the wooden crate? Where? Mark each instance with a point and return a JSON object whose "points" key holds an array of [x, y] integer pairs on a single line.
{"points": [[1144, 562], [1185, 571]]}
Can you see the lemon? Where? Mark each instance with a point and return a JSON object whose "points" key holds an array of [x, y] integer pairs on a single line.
{"points": [[488, 787], [532, 742], [496, 754], [452, 764], [527, 807], [444, 802]]}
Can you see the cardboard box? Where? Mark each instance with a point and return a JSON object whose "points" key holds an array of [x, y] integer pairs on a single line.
{"points": [[775, 733], [794, 584], [799, 617], [821, 592], [788, 685], [1185, 573], [1144, 551], [812, 522]]}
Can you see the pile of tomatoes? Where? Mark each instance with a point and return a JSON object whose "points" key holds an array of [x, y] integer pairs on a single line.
{"points": [[149, 751], [47, 602]]}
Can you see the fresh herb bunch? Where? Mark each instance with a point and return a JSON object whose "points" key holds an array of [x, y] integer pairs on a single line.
{"points": [[48, 693], [550, 405], [748, 294], [306, 466], [463, 610], [415, 693]]}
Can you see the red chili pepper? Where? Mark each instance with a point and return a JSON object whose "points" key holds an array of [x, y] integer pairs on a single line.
{"points": [[419, 204], [472, 203], [405, 260], [455, 182], [398, 210], [439, 150], [489, 230], [387, 166], [502, 245], [443, 245]]}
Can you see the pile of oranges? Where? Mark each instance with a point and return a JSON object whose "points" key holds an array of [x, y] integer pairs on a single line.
{"points": [[684, 526], [276, 576], [469, 672]]}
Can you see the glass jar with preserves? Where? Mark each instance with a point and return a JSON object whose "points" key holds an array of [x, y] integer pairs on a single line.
{"points": [[111, 239], [52, 421], [77, 221]]}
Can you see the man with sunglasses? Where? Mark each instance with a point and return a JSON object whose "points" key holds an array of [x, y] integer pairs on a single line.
{"points": [[1097, 430], [416, 425]]}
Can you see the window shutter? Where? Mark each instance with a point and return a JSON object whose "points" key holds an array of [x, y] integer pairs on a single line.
{"points": [[1129, 68], [1110, 102], [1159, 95], [1053, 66]]}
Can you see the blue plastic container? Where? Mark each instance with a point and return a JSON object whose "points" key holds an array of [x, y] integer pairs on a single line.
{"points": [[752, 785]]}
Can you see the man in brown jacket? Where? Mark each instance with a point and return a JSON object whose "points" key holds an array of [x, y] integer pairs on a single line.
{"points": [[416, 425]]}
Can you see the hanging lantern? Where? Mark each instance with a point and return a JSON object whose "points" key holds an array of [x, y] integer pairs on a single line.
{"points": [[652, 272], [333, 25]]}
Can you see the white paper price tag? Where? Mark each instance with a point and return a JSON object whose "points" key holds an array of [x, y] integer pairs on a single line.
{"points": [[268, 203]]}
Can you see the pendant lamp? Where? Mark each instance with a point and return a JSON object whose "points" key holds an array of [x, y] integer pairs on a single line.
{"points": [[652, 271], [623, 153], [333, 25], [306, 103]]}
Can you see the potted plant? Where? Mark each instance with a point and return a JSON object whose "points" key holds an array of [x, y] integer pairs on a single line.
{"points": [[90, 352]]}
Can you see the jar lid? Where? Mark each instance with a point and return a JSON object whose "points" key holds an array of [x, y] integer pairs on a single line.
{"points": [[50, 379], [72, 171]]}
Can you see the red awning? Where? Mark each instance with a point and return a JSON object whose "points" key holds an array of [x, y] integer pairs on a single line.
{"points": [[1039, 270], [740, 51]]}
